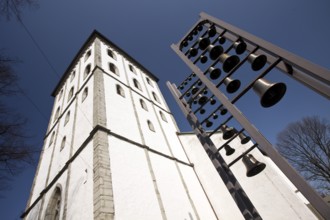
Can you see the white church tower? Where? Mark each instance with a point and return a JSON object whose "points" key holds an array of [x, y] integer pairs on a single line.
{"points": [[112, 151]]}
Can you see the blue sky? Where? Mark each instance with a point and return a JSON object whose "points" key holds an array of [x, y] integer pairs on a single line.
{"points": [[145, 29]]}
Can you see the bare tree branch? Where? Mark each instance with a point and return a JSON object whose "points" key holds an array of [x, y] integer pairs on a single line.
{"points": [[13, 8], [306, 145]]}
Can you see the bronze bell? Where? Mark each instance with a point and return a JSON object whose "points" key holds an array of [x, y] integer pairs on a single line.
{"points": [[208, 123], [202, 99], [202, 111], [223, 111], [181, 87], [214, 51], [203, 43], [215, 116], [200, 83], [240, 47], [200, 27], [184, 43], [229, 150], [195, 32], [229, 61], [244, 138], [270, 93], [252, 165], [195, 102], [212, 101], [190, 37], [214, 73], [193, 52], [212, 31], [232, 84], [205, 92], [188, 94], [257, 61], [221, 40], [194, 90], [227, 132], [203, 59]]}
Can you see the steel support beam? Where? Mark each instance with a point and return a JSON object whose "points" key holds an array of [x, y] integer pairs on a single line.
{"points": [[243, 202]]}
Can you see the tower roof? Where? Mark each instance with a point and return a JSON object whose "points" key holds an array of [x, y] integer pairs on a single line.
{"points": [[95, 34]]}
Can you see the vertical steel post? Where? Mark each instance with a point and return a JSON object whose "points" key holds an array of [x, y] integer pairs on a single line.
{"points": [[243, 202]]}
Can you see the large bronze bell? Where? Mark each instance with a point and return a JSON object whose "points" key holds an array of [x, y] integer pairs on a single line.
{"points": [[257, 61], [214, 51], [203, 43], [229, 61], [244, 138], [240, 47], [227, 132], [193, 52], [252, 165], [202, 99], [270, 93], [214, 73], [232, 84], [203, 59], [212, 31], [229, 150]]}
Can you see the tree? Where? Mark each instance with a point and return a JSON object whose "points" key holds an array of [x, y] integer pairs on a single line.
{"points": [[15, 153], [9, 8], [306, 145]]}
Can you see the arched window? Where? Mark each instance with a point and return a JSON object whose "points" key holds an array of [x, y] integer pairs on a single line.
{"points": [[57, 113], [67, 118], [155, 97], [73, 74], [131, 68], [120, 91], [151, 126], [85, 94], [88, 54], [149, 81], [54, 206], [143, 105], [113, 69], [111, 54], [52, 137], [63, 143], [137, 84], [70, 95], [162, 115], [87, 71]]}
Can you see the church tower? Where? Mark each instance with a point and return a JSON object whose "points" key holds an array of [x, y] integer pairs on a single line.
{"points": [[112, 150]]}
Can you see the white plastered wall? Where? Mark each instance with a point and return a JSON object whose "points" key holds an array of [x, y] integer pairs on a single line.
{"points": [[269, 191]]}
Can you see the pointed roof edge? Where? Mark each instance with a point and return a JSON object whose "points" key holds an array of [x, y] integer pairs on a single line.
{"points": [[90, 39]]}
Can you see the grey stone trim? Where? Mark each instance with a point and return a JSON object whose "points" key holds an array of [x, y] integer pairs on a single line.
{"points": [[49, 168], [207, 197], [67, 183], [152, 174], [102, 188], [176, 165]]}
